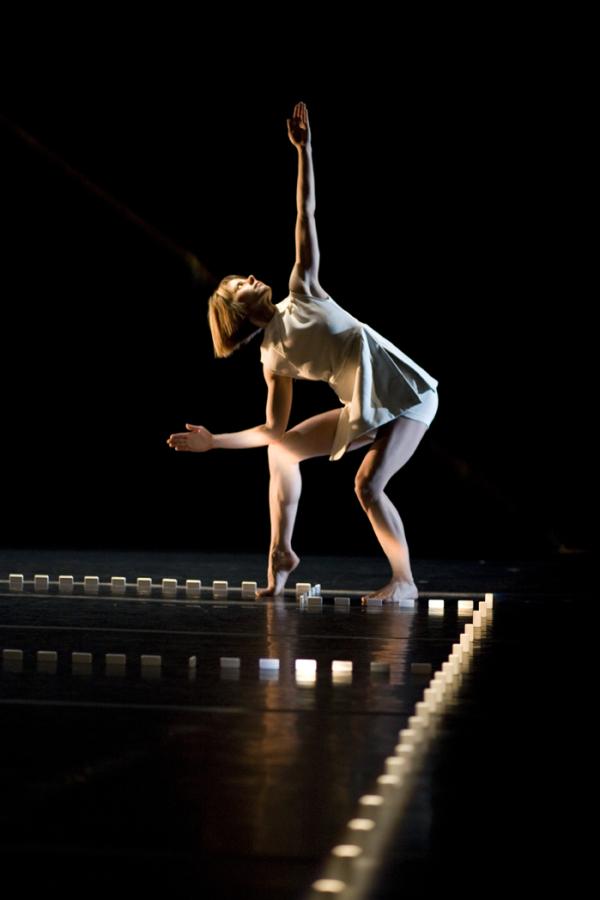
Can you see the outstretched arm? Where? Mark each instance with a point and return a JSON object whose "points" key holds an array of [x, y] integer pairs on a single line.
{"points": [[306, 266], [277, 414]]}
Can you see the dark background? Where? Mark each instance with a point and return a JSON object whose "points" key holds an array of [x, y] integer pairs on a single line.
{"points": [[452, 211]]}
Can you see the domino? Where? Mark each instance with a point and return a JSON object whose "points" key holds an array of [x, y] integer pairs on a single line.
{"points": [[193, 587], [220, 587], [377, 666], [118, 585], [47, 656], [41, 583], [249, 588], [91, 584], [115, 659], [268, 664], [302, 587], [341, 666], [420, 668], [79, 659], [230, 662], [12, 655], [144, 586], [15, 582], [65, 584], [169, 587], [149, 660]]}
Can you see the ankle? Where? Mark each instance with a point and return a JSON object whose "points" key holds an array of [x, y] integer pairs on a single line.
{"points": [[280, 548]]}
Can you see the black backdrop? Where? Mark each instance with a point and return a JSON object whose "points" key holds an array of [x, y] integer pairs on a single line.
{"points": [[451, 188]]}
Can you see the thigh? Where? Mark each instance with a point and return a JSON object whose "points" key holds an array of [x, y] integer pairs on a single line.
{"points": [[395, 444], [312, 437]]}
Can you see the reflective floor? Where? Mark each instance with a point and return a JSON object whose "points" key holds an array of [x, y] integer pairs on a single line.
{"points": [[217, 768]]}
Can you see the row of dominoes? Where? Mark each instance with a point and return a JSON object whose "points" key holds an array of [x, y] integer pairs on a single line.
{"points": [[169, 586], [354, 865], [304, 666]]}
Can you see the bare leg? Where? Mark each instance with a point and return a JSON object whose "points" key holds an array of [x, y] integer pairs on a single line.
{"points": [[392, 450], [313, 437]]}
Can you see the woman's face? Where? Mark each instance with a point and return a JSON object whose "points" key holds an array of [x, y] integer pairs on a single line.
{"points": [[250, 291]]}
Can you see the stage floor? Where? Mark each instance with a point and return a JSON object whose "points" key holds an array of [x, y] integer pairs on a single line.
{"points": [[239, 779]]}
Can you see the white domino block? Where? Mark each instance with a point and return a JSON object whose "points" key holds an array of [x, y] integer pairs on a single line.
{"points": [[12, 655], [341, 666], [302, 587], [144, 586], [169, 587], [314, 600], [47, 655], [249, 588], [220, 587], [79, 659], [374, 601], [306, 668], [465, 604], [91, 584], [149, 660], [192, 662], [15, 582], [65, 584], [230, 662], [41, 583], [118, 584], [268, 663], [115, 659], [489, 601], [193, 587], [435, 603]]}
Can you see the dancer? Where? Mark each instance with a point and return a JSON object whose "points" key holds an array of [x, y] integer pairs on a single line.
{"points": [[388, 401]]}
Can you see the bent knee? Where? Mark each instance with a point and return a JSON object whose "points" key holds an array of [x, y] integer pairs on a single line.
{"points": [[367, 490]]}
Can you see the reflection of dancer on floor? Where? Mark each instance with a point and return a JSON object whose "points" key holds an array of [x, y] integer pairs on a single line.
{"points": [[239, 308]]}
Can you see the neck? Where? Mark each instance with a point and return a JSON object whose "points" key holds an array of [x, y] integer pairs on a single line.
{"points": [[262, 318]]}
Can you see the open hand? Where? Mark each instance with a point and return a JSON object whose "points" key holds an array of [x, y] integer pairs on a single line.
{"points": [[198, 441], [298, 127]]}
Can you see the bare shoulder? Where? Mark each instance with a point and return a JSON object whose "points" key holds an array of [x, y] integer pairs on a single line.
{"points": [[304, 282]]}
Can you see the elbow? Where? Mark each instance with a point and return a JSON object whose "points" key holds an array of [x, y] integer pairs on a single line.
{"points": [[274, 434]]}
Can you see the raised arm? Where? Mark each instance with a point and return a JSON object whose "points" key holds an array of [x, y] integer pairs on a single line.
{"points": [[305, 274]]}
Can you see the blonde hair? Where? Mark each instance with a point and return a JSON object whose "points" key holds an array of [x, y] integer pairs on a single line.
{"points": [[229, 324]]}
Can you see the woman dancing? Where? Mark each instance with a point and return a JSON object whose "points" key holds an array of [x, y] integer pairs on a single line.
{"points": [[388, 400]]}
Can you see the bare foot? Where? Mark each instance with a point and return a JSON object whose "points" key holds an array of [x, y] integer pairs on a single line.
{"points": [[281, 564], [394, 591]]}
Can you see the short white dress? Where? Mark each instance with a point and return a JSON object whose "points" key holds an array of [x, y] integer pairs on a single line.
{"points": [[316, 339]]}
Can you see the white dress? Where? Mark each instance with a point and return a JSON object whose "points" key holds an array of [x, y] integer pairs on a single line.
{"points": [[315, 339]]}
